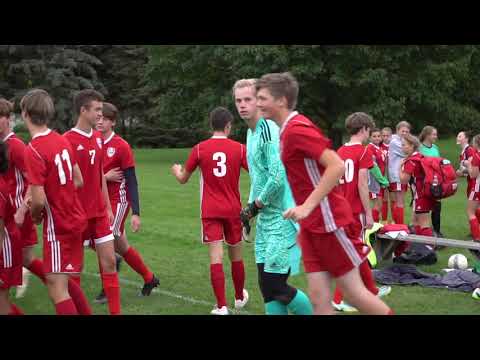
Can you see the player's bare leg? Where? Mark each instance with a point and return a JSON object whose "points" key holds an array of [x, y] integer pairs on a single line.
{"points": [[319, 293], [106, 260], [4, 303], [57, 285], [358, 295], [217, 277], [238, 275], [135, 261]]}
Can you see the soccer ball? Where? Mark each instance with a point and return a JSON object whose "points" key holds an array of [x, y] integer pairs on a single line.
{"points": [[458, 261]]}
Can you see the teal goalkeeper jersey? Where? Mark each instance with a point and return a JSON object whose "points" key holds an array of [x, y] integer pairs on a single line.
{"points": [[268, 180]]}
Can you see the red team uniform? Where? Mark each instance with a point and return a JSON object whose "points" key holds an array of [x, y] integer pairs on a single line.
{"points": [[412, 166], [329, 237], [379, 157], [49, 160], [474, 184], [219, 160], [88, 153], [118, 154], [467, 153], [18, 185], [11, 252]]}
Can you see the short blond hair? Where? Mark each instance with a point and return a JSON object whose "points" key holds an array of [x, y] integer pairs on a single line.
{"points": [[243, 83], [403, 124], [38, 104], [412, 140]]}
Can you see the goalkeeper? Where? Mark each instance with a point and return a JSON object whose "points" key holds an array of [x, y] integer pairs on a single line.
{"points": [[276, 251]]}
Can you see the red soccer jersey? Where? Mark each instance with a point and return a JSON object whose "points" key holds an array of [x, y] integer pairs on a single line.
{"points": [[88, 154], [49, 161], [117, 154], [301, 145], [467, 153], [219, 160], [475, 183], [11, 252], [413, 167], [15, 179], [379, 156], [356, 157]]}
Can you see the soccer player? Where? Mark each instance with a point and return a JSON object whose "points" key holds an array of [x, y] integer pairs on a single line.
{"points": [[472, 165], [220, 160], [358, 161], [10, 242], [428, 137], [411, 168], [388, 196], [395, 157], [270, 196], [53, 175], [119, 169], [377, 181], [466, 157], [87, 147], [329, 237], [17, 183]]}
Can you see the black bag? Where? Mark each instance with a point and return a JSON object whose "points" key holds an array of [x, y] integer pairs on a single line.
{"points": [[417, 254]]}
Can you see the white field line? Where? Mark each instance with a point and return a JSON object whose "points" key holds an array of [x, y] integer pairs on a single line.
{"points": [[169, 293]]}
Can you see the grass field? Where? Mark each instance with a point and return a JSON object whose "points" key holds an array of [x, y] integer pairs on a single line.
{"points": [[170, 243]]}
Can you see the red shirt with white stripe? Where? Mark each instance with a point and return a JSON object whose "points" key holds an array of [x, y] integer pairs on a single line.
{"points": [[413, 167], [15, 178], [301, 146], [49, 160], [356, 158], [476, 181], [117, 154], [88, 153], [219, 160], [11, 250], [467, 153]]}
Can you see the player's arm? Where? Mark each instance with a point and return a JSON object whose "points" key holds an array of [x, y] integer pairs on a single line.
{"points": [[132, 187], [276, 174], [472, 168], [364, 195], [181, 173], [19, 216], [377, 175], [405, 172], [334, 170], [107, 199], [38, 203], [77, 177]]}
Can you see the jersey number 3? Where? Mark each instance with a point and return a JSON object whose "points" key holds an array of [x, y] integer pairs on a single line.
{"points": [[58, 161], [221, 160]]}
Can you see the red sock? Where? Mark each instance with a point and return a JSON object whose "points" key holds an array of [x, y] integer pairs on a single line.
{"points": [[337, 296], [66, 307], [15, 310], [384, 210], [238, 276], [475, 229], [112, 292], [376, 215], [217, 277], [367, 277], [133, 258], [393, 205], [398, 215], [477, 214], [78, 297], [36, 267], [427, 231]]}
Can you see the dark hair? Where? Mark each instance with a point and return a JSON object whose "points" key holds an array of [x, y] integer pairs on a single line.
{"points": [[279, 85], [6, 107], [110, 111], [426, 131], [468, 134], [357, 121], [3, 158], [220, 118], [84, 98], [476, 141], [375, 129], [38, 105]]}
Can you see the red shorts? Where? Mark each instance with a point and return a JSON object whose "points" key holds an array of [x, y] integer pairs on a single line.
{"points": [[397, 187], [423, 204], [337, 253], [120, 210], [28, 232], [227, 229], [98, 231], [11, 261], [381, 194], [63, 253]]}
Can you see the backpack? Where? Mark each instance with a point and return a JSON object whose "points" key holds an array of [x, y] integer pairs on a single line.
{"points": [[440, 178]]}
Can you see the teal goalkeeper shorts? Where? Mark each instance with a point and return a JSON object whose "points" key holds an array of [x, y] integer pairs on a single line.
{"points": [[276, 246]]}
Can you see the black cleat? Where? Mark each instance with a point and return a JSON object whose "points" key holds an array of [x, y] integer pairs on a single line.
{"points": [[101, 298], [148, 287], [118, 261]]}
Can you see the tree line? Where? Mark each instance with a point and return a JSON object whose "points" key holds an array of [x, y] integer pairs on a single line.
{"points": [[165, 92]]}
